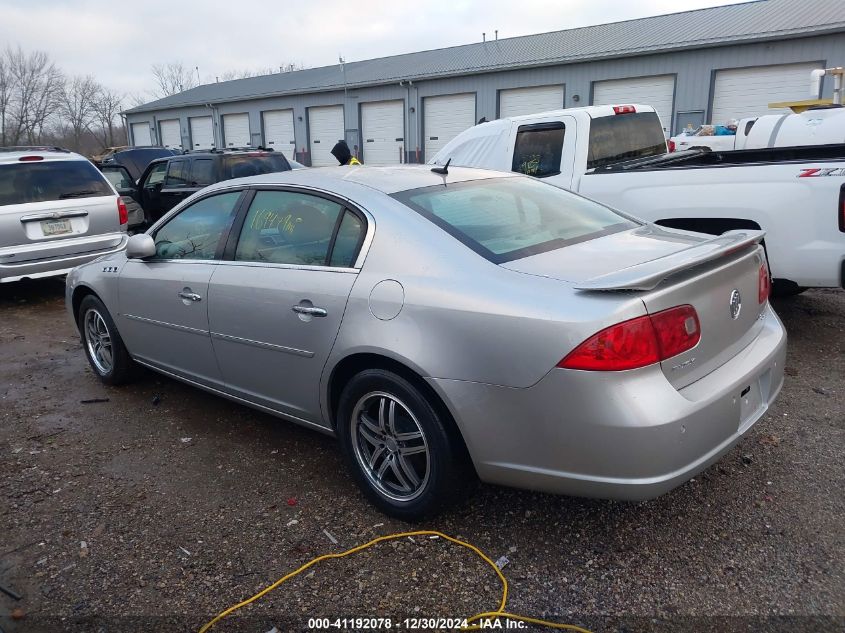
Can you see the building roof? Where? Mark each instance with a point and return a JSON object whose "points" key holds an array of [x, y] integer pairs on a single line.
{"points": [[736, 23]]}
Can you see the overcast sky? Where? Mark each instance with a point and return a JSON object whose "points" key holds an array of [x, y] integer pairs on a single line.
{"points": [[118, 42]]}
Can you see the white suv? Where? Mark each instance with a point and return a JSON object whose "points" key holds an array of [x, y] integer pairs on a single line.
{"points": [[57, 211]]}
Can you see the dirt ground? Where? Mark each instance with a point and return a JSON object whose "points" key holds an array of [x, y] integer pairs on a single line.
{"points": [[154, 506]]}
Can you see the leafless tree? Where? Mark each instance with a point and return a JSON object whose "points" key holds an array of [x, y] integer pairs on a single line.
{"points": [[107, 106], [172, 79], [270, 70], [35, 94], [5, 96], [77, 106]]}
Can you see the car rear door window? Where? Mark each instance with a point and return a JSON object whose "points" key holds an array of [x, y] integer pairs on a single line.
{"points": [[202, 172], [348, 240], [285, 227], [195, 233], [176, 174], [47, 180], [538, 149], [623, 137], [253, 164]]}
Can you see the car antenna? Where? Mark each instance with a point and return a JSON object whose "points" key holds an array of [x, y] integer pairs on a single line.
{"points": [[442, 170]]}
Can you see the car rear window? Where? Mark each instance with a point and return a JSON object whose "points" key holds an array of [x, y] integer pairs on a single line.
{"points": [[44, 181], [504, 219], [252, 165], [623, 137]]}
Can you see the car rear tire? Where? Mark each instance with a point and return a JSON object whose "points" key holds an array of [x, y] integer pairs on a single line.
{"points": [[398, 446], [101, 341]]}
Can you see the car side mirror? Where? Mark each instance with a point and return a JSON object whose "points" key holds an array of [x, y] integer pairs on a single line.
{"points": [[140, 246]]}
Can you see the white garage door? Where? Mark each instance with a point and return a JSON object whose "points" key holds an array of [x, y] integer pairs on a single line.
{"points": [[654, 91], [141, 134], [236, 129], [202, 133], [446, 117], [278, 131], [382, 132], [746, 92], [170, 134], [325, 128], [530, 100]]}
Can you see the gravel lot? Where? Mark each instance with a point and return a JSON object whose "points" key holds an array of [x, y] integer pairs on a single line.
{"points": [[188, 503]]}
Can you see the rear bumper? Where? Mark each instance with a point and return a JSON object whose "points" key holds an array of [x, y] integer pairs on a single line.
{"points": [[58, 265], [620, 435]]}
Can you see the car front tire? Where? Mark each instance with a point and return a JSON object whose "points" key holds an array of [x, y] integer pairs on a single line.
{"points": [[101, 341], [398, 447]]}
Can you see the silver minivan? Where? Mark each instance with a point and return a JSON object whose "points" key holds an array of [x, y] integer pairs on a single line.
{"points": [[57, 211]]}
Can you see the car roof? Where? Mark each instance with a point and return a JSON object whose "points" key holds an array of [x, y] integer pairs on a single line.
{"points": [[14, 154], [387, 180]]}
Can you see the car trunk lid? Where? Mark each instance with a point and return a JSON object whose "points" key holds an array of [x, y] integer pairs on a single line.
{"points": [[718, 276]]}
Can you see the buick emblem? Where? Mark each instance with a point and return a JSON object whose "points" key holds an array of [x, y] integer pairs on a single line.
{"points": [[736, 304]]}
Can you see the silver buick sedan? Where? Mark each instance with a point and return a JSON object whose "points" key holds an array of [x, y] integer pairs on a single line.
{"points": [[449, 325]]}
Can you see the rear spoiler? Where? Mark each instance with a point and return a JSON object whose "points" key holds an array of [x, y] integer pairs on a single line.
{"points": [[648, 275]]}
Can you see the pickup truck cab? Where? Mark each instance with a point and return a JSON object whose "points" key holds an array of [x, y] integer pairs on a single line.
{"points": [[617, 155]]}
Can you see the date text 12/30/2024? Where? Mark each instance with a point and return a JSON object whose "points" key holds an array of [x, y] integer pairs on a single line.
{"points": [[409, 624]]}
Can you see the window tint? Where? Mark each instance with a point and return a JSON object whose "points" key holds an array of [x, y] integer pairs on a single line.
{"points": [[623, 137], [119, 178], [244, 165], [51, 180], [176, 174], [155, 176], [349, 238], [283, 227], [202, 171], [504, 219], [196, 231], [538, 150]]}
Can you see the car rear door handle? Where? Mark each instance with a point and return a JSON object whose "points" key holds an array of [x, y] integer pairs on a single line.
{"points": [[310, 310], [187, 295]]}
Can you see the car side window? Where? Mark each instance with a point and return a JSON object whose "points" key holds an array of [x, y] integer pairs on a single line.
{"points": [[196, 231], [155, 176], [348, 240], [176, 174], [284, 227], [202, 172], [538, 149]]}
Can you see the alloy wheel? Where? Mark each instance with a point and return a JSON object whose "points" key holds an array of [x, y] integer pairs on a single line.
{"points": [[390, 446], [98, 341]]}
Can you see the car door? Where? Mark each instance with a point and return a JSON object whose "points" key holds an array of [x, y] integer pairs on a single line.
{"points": [[277, 299], [150, 190], [177, 184], [164, 299]]}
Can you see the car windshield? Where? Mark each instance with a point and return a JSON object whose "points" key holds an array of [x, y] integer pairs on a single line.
{"points": [[504, 219], [252, 165], [47, 180]]}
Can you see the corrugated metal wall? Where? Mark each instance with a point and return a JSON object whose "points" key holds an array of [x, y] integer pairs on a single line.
{"points": [[694, 70]]}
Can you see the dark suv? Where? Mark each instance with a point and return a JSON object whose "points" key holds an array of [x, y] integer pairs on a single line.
{"points": [[167, 181]]}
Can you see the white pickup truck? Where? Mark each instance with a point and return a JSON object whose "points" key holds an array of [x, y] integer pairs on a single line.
{"points": [[617, 155]]}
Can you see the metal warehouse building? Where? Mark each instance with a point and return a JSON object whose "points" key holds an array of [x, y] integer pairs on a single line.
{"points": [[700, 66]]}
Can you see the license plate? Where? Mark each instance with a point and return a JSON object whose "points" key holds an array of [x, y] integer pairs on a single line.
{"points": [[56, 227]]}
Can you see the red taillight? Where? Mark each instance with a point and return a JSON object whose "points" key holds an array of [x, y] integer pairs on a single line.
{"points": [[122, 211], [670, 144], [29, 159], [625, 109], [638, 342], [764, 284]]}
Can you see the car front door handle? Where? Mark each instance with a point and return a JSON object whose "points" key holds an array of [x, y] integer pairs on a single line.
{"points": [[187, 295], [310, 311]]}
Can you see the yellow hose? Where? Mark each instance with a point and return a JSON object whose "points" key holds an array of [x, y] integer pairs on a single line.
{"points": [[498, 613]]}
